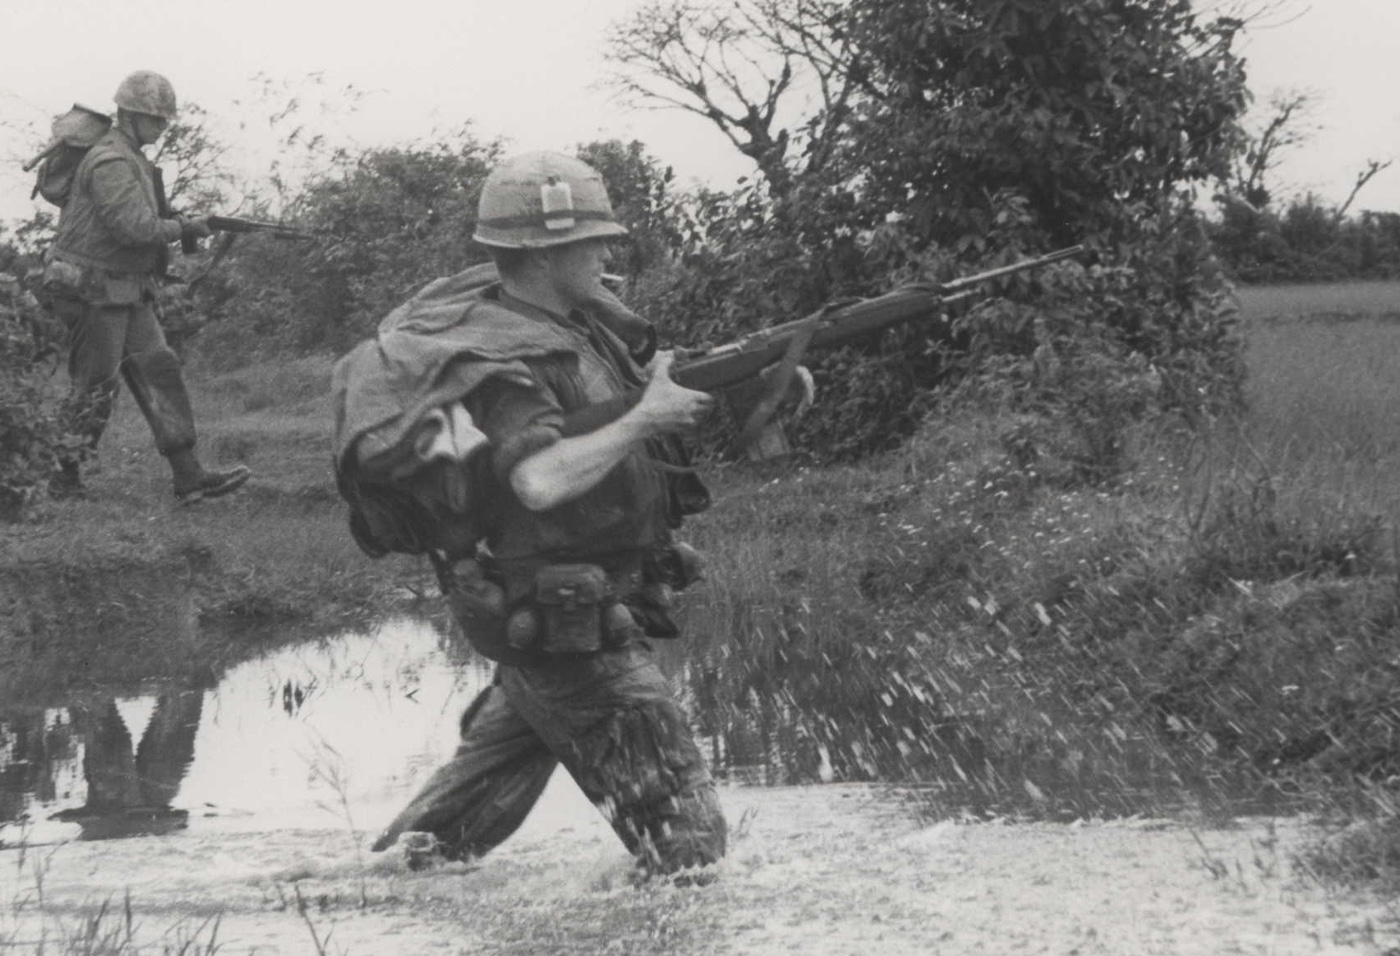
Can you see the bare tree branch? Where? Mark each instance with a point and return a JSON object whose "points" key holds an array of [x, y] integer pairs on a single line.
{"points": [[743, 68], [1373, 166], [1282, 131], [198, 179]]}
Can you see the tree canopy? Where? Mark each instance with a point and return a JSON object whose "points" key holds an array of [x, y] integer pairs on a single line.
{"points": [[897, 139]]}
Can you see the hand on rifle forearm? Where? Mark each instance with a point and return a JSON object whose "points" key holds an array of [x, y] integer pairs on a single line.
{"points": [[666, 407], [194, 228]]}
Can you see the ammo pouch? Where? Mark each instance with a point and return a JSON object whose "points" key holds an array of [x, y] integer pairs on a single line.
{"points": [[572, 610], [63, 279]]}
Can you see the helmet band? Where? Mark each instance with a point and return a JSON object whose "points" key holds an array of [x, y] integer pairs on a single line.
{"points": [[554, 220]]}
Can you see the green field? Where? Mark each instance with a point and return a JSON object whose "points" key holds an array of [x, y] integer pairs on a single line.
{"points": [[1324, 390], [1314, 301]]}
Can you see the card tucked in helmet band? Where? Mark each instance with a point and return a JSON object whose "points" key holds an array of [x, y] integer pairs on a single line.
{"points": [[558, 201]]}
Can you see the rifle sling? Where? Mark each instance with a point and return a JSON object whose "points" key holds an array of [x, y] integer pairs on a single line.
{"points": [[782, 377]]}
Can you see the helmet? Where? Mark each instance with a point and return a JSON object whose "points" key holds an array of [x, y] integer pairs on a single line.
{"points": [[147, 92], [536, 200]]}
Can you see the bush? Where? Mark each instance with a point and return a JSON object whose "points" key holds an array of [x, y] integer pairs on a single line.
{"points": [[970, 142], [390, 221], [1307, 241], [30, 436]]}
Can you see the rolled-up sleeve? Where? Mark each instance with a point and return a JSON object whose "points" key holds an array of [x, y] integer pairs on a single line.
{"points": [[125, 211], [518, 419]]}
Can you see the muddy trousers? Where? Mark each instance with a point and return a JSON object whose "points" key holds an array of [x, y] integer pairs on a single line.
{"points": [[611, 721], [108, 341]]}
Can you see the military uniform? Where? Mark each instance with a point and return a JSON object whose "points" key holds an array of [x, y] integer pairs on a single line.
{"points": [[567, 590], [100, 275], [608, 716], [110, 247]]}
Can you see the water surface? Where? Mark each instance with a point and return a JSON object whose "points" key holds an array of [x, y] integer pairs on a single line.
{"points": [[338, 731]]}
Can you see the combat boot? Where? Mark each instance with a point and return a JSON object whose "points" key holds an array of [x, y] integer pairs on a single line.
{"points": [[194, 483], [421, 850]]}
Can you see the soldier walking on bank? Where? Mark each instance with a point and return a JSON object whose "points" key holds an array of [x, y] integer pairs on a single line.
{"points": [[100, 277]]}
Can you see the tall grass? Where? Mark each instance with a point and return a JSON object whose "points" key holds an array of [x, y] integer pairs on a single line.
{"points": [[1323, 400], [1321, 301], [1213, 626]]}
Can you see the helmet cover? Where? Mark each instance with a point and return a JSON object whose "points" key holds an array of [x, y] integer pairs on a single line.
{"points": [[542, 199]]}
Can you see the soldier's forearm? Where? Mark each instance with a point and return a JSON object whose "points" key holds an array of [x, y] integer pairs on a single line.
{"points": [[571, 467]]}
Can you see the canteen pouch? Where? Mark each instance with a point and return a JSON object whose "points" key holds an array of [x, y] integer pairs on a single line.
{"points": [[570, 599], [478, 603]]}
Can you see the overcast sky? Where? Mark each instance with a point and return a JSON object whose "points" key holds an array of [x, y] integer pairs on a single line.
{"points": [[530, 71]]}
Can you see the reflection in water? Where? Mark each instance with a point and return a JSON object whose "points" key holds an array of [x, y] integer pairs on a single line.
{"points": [[36, 751], [354, 721], [131, 792], [350, 726], [281, 740]]}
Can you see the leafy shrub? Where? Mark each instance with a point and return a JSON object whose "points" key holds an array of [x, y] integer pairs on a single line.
{"points": [[390, 221], [30, 435], [971, 141]]}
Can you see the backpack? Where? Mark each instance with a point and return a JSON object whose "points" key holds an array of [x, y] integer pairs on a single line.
{"points": [[74, 133]]}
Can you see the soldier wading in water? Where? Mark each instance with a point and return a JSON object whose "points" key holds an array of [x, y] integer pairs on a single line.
{"points": [[459, 436]]}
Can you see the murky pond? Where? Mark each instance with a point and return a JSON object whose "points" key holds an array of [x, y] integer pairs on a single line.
{"points": [[106, 734], [120, 716], [337, 731], [273, 737]]}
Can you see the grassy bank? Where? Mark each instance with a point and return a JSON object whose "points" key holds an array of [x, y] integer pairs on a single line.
{"points": [[277, 552]]}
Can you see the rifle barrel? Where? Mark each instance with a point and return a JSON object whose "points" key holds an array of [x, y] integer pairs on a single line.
{"points": [[980, 277], [235, 225], [735, 361]]}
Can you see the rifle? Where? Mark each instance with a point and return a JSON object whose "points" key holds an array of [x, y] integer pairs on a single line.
{"points": [[232, 227], [718, 367], [236, 226]]}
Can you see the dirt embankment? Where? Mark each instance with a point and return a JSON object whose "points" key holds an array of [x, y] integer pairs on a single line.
{"points": [[815, 870]]}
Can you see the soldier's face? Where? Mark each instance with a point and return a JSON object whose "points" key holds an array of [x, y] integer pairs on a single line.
{"points": [[577, 269], [148, 128]]}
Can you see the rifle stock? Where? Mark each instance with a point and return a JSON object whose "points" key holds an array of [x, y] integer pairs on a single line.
{"points": [[722, 366]]}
